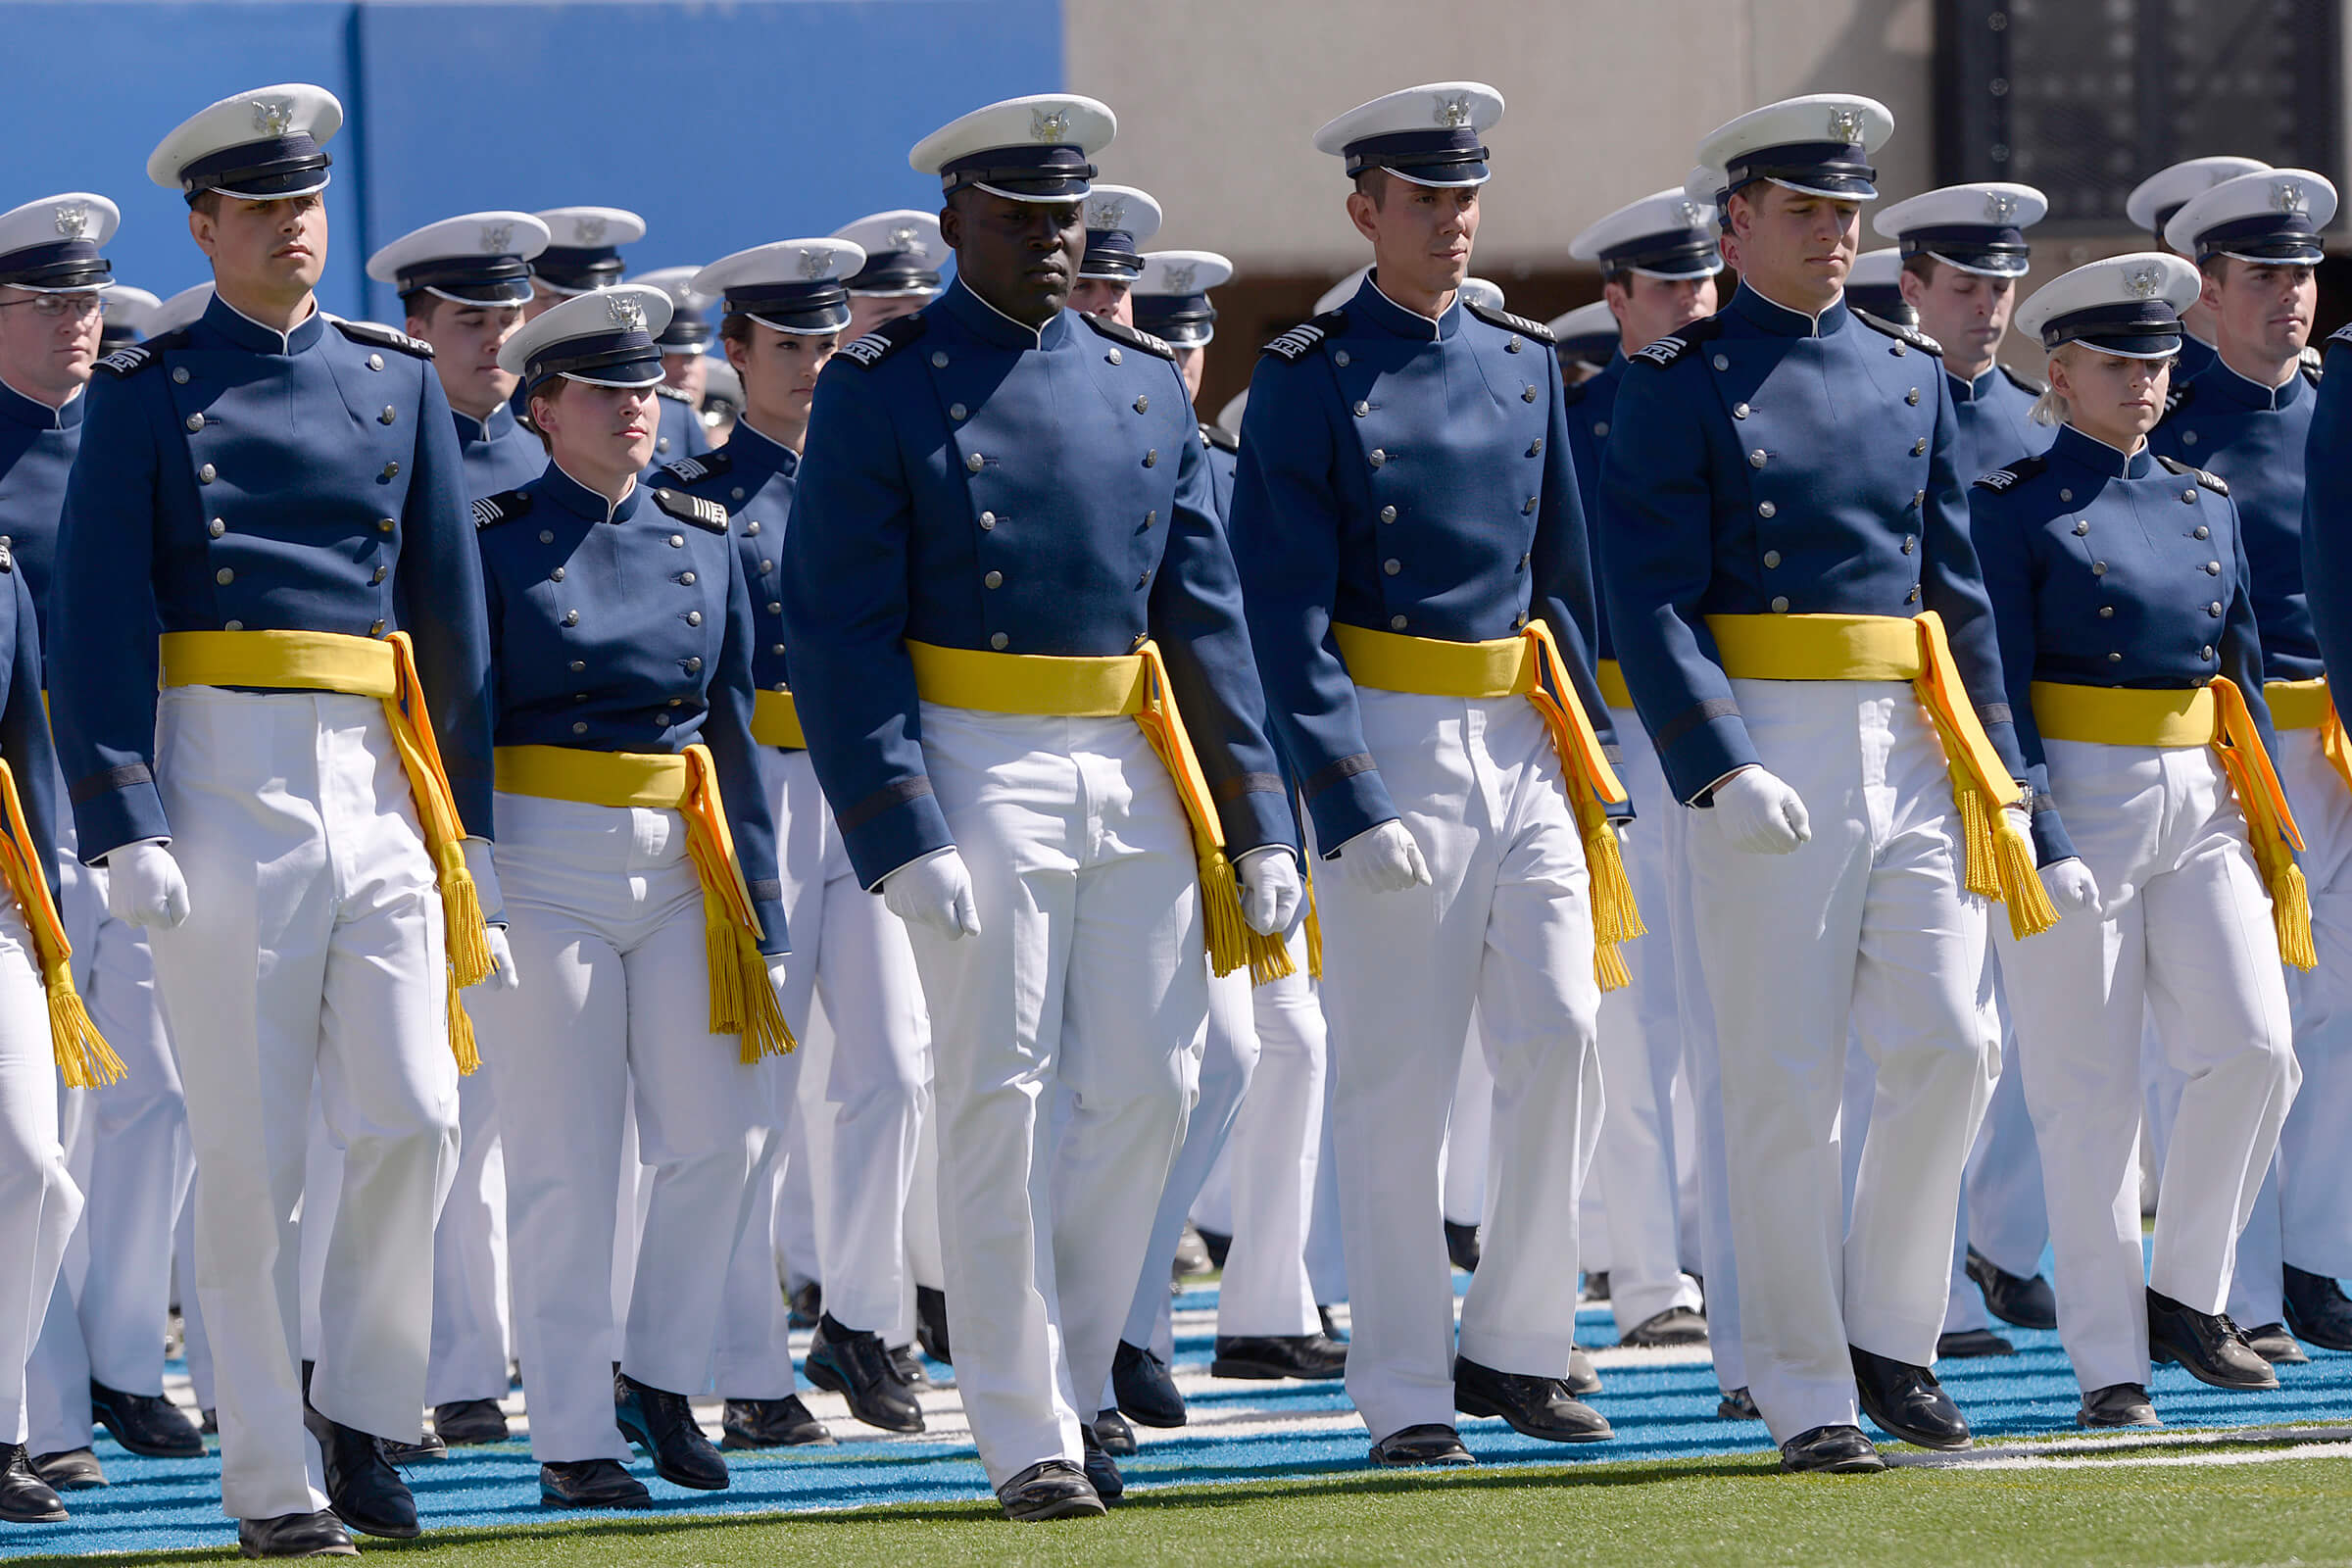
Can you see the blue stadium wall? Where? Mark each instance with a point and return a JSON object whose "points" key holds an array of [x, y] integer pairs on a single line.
{"points": [[724, 124]]}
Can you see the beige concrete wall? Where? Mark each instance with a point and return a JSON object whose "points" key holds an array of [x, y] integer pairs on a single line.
{"points": [[1218, 100]]}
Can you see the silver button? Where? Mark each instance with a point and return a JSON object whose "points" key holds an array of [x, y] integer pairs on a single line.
{"points": [[2114, 658], [1910, 543], [207, 474], [1772, 558], [1601, 427], [997, 640], [678, 541], [1765, 509], [216, 527], [2066, 495], [1338, 356], [2200, 531], [1379, 457], [1919, 498], [391, 471], [988, 520], [225, 576], [957, 411], [686, 579], [2214, 610], [1528, 395], [389, 414], [1512, 346], [1899, 351], [995, 579], [1396, 624], [1152, 458], [752, 528], [556, 575], [2205, 652], [1144, 579], [2189, 495], [232, 625], [974, 462], [693, 665], [1150, 518], [579, 727], [1779, 606], [766, 566], [578, 664], [1918, 446], [1756, 458], [1387, 513], [179, 376], [2098, 569], [1362, 408], [1738, 410], [775, 606], [778, 650], [1141, 403], [693, 618], [571, 618], [195, 421], [939, 360], [2081, 526], [381, 573], [2213, 568], [579, 696], [546, 537], [1114, 357], [737, 492], [2189, 438], [2106, 612], [375, 362], [1537, 450], [1912, 397], [1527, 508], [1525, 556], [1722, 363], [1392, 566]]}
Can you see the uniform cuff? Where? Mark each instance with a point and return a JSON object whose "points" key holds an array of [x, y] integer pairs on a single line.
{"points": [[1256, 819], [1355, 803], [774, 941], [907, 831], [1708, 750], [110, 818]]}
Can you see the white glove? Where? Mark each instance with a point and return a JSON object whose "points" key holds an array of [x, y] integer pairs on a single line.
{"points": [[2017, 816], [1759, 814], [2071, 887], [144, 887], [935, 891], [775, 978], [1270, 889], [503, 974], [1383, 859]]}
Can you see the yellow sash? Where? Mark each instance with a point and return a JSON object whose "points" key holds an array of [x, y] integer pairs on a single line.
{"points": [[2000, 859], [1527, 666], [742, 1002], [1116, 686], [2309, 704], [83, 1057], [384, 668], [2213, 715], [776, 721]]}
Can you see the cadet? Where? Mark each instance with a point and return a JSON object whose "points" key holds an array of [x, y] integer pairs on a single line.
{"points": [[1780, 671], [1658, 262], [582, 252], [685, 345], [900, 276], [1587, 339], [2248, 417], [642, 857], [2151, 206], [286, 559], [1119, 218], [2126, 616], [1406, 480], [127, 312], [1874, 285], [863, 1090], [993, 479]]}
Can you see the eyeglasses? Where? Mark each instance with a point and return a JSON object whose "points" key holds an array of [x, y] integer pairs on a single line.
{"points": [[57, 307]]}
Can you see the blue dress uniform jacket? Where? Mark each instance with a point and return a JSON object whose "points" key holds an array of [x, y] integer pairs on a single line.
{"points": [[23, 720], [38, 444], [2254, 437], [1405, 475], [1223, 454], [1994, 413], [628, 628], [499, 452], [2328, 508], [681, 434], [233, 478], [1592, 405], [2195, 357], [975, 484], [1761, 464], [2108, 570], [753, 478]]}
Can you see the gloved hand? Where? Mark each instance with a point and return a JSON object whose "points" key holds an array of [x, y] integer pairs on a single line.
{"points": [[1759, 814], [1383, 859], [1270, 889], [144, 887], [478, 865], [2016, 815], [775, 978], [935, 891], [2071, 887]]}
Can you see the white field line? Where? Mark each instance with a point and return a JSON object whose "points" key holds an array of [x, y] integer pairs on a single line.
{"points": [[2226, 1446]]}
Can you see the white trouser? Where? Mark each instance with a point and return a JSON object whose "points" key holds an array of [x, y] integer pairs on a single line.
{"points": [[1326, 1247], [2187, 937], [752, 1359], [925, 1269], [1469, 1146], [38, 1201], [313, 950], [795, 1225], [1212, 1210], [196, 1343], [605, 917], [1702, 1070], [1640, 1053], [2001, 1211], [1273, 1156], [469, 1259], [1087, 979], [322, 1199], [1507, 927], [1865, 925]]}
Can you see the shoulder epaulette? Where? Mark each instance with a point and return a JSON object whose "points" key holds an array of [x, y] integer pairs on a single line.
{"points": [[664, 389], [506, 504], [1896, 329], [1666, 349], [2030, 385], [1121, 332], [2182, 394], [1302, 340], [8, 558], [1224, 440], [885, 340], [133, 357], [1510, 323], [694, 470], [692, 508], [2188, 470], [2342, 334], [2311, 364], [383, 337], [2023, 469]]}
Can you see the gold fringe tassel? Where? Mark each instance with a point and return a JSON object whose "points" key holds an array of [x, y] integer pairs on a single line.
{"points": [[1979, 873], [461, 1029], [725, 971], [84, 1061], [765, 1033], [2031, 911], [1314, 933], [2271, 829], [462, 914]]}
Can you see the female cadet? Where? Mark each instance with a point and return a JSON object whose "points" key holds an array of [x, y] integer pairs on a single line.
{"points": [[639, 852], [2119, 584]]}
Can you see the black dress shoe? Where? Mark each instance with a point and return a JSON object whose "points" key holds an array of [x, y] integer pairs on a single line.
{"points": [[1432, 1444], [295, 1534], [1053, 1490], [147, 1424], [2206, 1345], [1584, 1378], [1906, 1401], [1461, 1247], [1830, 1451], [70, 1469], [428, 1449], [468, 1423], [25, 1497], [663, 1424], [1964, 1343], [1101, 1470], [784, 1423], [2274, 1344], [1738, 1405], [1114, 1434], [805, 1306], [1307, 1357], [1596, 1286], [1218, 1242], [909, 1366], [857, 1365], [2022, 1301], [1144, 1387], [591, 1483], [2119, 1404], [1676, 1326], [2318, 1310], [365, 1493], [1535, 1406], [210, 1426], [931, 1323], [1191, 1255], [1331, 1326]]}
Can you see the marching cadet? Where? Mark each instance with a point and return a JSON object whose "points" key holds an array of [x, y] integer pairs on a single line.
{"points": [[278, 494], [464, 283], [1658, 261], [685, 345], [582, 252], [783, 306], [1119, 218], [1875, 284], [900, 276], [1406, 482], [2128, 630], [2152, 206], [1022, 671], [641, 855], [1802, 627], [2248, 417]]}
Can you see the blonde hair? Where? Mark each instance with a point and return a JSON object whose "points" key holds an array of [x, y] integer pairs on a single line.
{"points": [[2051, 408]]}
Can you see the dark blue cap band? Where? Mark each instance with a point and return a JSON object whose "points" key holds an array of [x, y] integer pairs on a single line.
{"points": [[475, 279], [1449, 155], [578, 266], [893, 273], [61, 265], [257, 171], [1676, 253], [1110, 253], [1842, 169], [1980, 247], [688, 331], [811, 308], [1028, 173], [610, 354], [2141, 327], [2285, 237], [1185, 319]]}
